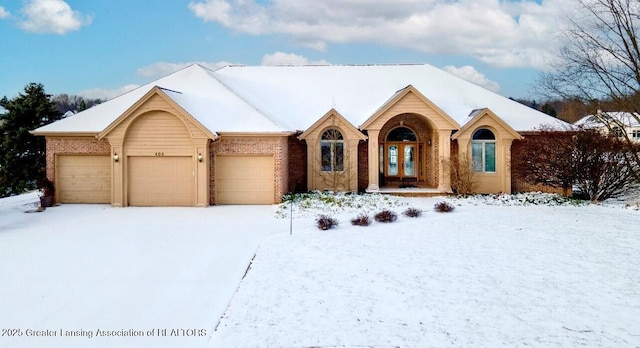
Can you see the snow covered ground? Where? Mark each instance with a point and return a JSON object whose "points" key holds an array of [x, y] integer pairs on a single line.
{"points": [[494, 272], [83, 268]]}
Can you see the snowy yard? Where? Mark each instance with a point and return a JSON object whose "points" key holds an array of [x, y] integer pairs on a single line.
{"points": [[491, 273]]}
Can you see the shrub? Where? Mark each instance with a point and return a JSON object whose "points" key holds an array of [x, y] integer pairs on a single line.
{"points": [[326, 222], [412, 212], [386, 216], [443, 207], [361, 220]]}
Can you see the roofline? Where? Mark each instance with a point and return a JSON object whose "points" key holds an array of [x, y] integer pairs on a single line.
{"points": [[255, 134], [65, 134]]}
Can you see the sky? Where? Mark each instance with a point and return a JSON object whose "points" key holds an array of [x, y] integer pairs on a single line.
{"points": [[103, 48]]}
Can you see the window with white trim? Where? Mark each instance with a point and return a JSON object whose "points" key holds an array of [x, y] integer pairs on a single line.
{"points": [[332, 151], [483, 151]]}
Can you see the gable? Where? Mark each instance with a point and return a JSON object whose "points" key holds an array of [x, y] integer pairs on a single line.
{"points": [[332, 119], [155, 101], [487, 119], [410, 101]]}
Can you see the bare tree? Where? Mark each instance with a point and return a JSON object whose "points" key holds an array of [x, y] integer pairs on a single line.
{"points": [[599, 165], [463, 178], [600, 60], [592, 162]]}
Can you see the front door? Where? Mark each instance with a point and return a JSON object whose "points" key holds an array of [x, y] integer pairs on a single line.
{"points": [[401, 160]]}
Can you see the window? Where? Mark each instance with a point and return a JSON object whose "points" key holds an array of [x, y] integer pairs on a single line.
{"points": [[483, 151], [332, 151], [401, 134], [636, 134]]}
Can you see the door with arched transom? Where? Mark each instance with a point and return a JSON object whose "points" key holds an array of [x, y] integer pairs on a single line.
{"points": [[400, 155]]}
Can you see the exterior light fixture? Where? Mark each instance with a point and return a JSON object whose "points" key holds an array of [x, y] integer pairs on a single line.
{"points": [[200, 158], [115, 157]]}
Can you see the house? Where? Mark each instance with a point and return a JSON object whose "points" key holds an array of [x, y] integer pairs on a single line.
{"points": [[249, 134], [621, 123], [3, 111]]}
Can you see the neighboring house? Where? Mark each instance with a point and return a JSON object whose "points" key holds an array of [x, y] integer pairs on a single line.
{"points": [[2, 112], [620, 123], [248, 135]]}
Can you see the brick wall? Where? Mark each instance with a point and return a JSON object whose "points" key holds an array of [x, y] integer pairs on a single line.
{"points": [[276, 146], [73, 145], [297, 164]]}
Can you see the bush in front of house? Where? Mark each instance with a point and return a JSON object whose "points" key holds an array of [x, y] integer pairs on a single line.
{"points": [[412, 212], [361, 220], [443, 207], [326, 222], [385, 216]]}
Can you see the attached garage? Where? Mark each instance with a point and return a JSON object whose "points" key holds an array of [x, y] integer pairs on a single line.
{"points": [[244, 179], [160, 181], [83, 179]]}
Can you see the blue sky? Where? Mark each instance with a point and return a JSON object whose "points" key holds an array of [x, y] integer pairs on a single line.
{"points": [[101, 48]]}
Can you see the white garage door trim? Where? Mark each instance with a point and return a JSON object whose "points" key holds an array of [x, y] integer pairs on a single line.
{"points": [[83, 178], [244, 179]]}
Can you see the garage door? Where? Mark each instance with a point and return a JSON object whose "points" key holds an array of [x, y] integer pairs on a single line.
{"points": [[160, 181], [244, 179], [83, 179]]}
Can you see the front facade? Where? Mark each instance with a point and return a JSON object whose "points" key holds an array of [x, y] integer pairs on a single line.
{"points": [[163, 146]]}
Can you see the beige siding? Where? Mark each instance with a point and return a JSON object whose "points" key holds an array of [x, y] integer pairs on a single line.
{"points": [[500, 181], [412, 104], [160, 181], [153, 106], [244, 179], [158, 132], [346, 180], [83, 179]]}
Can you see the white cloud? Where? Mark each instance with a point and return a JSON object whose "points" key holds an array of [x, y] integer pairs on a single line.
{"points": [[51, 16], [496, 32], [106, 94], [281, 58], [470, 74], [4, 13], [160, 69]]}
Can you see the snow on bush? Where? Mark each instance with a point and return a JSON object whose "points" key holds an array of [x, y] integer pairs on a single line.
{"points": [[361, 220], [520, 199], [386, 216], [412, 212], [309, 204], [326, 222]]}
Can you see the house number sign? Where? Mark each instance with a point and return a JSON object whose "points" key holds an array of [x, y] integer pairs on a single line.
{"points": [[159, 154]]}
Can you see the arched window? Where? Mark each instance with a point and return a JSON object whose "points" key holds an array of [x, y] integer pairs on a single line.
{"points": [[483, 151], [332, 151], [401, 134]]}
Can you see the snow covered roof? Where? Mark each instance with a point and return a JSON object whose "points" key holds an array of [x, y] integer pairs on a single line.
{"points": [[625, 119], [291, 98]]}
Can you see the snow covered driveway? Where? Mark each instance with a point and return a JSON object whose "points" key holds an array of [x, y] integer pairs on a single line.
{"points": [[79, 268]]}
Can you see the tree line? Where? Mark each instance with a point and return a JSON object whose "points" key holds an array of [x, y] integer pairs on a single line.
{"points": [[22, 155]]}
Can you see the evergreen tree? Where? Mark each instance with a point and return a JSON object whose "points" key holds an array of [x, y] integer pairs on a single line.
{"points": [[22, 155]]}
